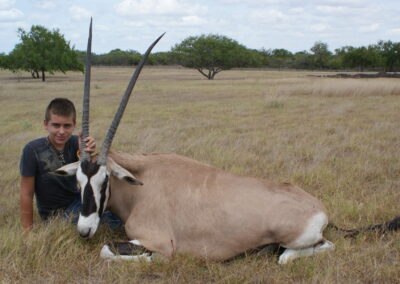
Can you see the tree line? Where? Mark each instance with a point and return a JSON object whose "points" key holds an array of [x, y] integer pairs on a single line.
{"points": [[41, 50]]}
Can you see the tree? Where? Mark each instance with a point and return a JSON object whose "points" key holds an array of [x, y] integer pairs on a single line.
{"points": [[280, 58], [117, 57], [160, 58], [42, 51], [358, 57], [303, 60], [4, 61], [390, 52], [211, 54], [321, 54]]}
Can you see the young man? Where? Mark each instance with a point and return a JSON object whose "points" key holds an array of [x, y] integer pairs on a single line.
{"points": [[53, 193]]}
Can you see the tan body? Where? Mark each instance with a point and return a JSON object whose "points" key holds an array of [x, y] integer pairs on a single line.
{"points": [[188, 207]]}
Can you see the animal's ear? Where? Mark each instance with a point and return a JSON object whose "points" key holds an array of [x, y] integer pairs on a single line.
{"points": [[67, 170], [122, 173]]}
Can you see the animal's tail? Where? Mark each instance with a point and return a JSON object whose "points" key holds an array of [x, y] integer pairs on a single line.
{"points": [[389, 226]]}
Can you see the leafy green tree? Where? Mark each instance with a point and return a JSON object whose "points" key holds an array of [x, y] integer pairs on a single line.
{"points": [[4, 61], [265, 56], [281, 58], [321, 54], [160, 58], [303, 60], [211, 54], [359, 57], [117, 57], [390, 52], [43, 51]]}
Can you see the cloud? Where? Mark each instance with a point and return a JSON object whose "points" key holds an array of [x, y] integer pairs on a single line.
{"points": [[193, 20], [267, 16], [157, 7], [393, 32], [319, 27], [342, 3], [6, 4], [332, 9], [79, 13], [370, 28], [10, 15], [46, 4], [252, 2]]}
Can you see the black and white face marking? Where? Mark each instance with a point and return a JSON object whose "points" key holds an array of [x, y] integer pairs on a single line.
{"points": [[94, 183]]}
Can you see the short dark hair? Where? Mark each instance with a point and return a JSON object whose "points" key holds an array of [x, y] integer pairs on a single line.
{"points": [[62, 107]]}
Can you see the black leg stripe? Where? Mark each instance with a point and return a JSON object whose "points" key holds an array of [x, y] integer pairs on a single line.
{"points": [[127, 248]]}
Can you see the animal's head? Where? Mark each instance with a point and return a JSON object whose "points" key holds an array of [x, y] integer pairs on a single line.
{"points": [[94, 176], [94, 182]]}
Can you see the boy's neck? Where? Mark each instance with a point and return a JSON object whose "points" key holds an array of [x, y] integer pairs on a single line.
{"points": [[57, 147]]}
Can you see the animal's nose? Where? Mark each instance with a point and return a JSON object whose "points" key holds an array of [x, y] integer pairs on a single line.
{"points": [[84, 233]]}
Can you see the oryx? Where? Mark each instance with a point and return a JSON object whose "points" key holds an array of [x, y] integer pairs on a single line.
{"points": [[172, 204]]}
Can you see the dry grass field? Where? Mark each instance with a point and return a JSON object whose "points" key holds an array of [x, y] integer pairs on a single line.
{"points": [[339, 139]]}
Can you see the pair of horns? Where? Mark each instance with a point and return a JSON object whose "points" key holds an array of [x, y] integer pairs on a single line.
{"points": [[118, 115]]}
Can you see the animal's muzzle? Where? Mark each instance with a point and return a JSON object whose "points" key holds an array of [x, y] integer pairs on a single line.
{"points": [[85, 233]]}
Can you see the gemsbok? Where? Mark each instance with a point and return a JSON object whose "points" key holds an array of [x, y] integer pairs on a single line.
{"points": [[172, 204]]}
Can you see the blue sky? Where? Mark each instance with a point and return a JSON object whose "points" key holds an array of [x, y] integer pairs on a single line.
{"points": [[133, 24]]}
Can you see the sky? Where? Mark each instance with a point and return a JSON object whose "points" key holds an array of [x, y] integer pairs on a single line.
{"points": [[294, 25]]}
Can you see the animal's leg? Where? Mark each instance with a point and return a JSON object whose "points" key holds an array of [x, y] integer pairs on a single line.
{"points": [[290, 254], [132, 250]]}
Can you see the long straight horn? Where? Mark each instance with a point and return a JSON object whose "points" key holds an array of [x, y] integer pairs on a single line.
{"points": [[124, 101], [86, 97]]}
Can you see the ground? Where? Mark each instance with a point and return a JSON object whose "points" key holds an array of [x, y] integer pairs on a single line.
{"points": [[336, 138]]}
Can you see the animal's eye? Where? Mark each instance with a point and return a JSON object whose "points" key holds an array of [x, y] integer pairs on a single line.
{"points": [[78, 186]]}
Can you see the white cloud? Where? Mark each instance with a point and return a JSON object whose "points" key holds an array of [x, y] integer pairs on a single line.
{"points": [[193, 20], [157, 7], [135, 24], [370, 28], [296, 10], [103, 28], [46, 4], [10, 15], [393, 32], [332, 9], [6, 4], [267, 16], [319, 27], [254, 2], [343, 3], [79, 13]]}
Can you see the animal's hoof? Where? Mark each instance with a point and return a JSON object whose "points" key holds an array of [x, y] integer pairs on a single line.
{"points": [[106, 252]]}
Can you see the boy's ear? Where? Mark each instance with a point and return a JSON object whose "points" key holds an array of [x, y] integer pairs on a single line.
{"points": [[67, 170]]}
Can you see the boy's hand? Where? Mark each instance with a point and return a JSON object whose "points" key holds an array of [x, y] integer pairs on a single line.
{"points": [[90, 143]]}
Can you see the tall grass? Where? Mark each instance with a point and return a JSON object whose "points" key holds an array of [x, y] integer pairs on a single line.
{"points": [[336, 138]]}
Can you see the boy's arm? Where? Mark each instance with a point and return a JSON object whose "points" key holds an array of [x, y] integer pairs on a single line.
{"points": [[27, 187]]}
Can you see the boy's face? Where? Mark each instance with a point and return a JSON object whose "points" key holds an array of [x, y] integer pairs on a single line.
{"points": [[60, 129]]}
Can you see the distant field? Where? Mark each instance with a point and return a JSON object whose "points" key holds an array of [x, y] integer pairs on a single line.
{"points": [[339, 139]]}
